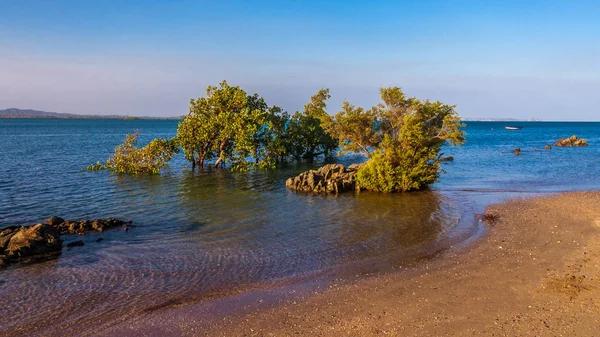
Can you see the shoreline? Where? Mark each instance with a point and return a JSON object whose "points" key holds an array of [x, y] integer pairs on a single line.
{"points": [[533, 272]]}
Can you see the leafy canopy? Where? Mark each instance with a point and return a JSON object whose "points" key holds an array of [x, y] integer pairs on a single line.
{"points": [[232, 127], [402, 137]]}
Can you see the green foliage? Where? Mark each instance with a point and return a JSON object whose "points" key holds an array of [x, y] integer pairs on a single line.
{"points": [[307, 137], [96, 167], [356, 129], [242, 130], [403, 138], [208, 130], [130, 159]]}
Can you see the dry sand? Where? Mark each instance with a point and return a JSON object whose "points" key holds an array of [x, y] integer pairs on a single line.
{"points": [[535, 272]]}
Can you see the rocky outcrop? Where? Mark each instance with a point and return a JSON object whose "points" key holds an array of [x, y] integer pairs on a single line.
{"points": [[84, 226], [517, 151], [571, 141], [21, 243], [331, 178], [42, 241]]}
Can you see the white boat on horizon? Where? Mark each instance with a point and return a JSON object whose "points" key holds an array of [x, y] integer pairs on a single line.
{"points": [[513, 127]]}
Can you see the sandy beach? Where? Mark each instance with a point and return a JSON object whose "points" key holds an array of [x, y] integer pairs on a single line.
{"points": [[534, 272]]}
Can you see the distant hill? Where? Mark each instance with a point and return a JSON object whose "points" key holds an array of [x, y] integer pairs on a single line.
{"points": [[28, 113]]}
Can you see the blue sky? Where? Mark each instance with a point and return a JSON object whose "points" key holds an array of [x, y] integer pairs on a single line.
{"points": [[490, 58]]}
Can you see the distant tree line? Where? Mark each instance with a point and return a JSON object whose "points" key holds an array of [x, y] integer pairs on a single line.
{"points": [[401, 137]]}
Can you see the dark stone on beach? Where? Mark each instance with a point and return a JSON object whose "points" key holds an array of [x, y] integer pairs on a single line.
{"points": [[331, 178], [78, 243]]}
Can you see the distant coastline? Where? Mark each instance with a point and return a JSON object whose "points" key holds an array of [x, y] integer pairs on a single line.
{"points": [[14, 113]]}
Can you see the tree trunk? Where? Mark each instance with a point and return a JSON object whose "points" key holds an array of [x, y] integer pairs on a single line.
{"points": [[222, 152]]}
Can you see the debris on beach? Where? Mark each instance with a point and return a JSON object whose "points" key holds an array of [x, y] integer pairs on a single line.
{"points": [[490, 218]]}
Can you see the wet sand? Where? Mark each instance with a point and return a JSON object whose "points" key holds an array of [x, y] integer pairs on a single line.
{"points": [[535, 272]]}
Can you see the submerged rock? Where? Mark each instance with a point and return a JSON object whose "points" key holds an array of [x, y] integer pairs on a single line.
{"points": [[571, 141], [331, 178], [42, 241], [517, 151], [77, 243], [83, 226]]}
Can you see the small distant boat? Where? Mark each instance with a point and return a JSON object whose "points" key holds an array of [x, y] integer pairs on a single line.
{"points": [[513, 127]]}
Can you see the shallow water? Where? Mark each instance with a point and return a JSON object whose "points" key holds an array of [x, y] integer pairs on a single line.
{"points": [[202, 234]]}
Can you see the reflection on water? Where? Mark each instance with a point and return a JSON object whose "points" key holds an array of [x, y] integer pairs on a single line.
{"points": [[209, 233], [202, 234]]}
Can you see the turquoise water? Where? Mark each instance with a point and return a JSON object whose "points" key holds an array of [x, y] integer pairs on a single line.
{"points": [[206, 234]]}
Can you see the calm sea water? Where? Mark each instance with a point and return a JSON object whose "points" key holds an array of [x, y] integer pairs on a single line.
{"points": [[204, 234]]}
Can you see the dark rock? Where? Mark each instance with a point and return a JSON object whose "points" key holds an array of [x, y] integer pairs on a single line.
{"points": [[55, 221], [571, 141], [5, 235], [446, 159], [517, 151], [33, 240], [99, 239], [547, 147], [78, 243], [42, 241], [331, 178], [25, 243], [83, 226]]}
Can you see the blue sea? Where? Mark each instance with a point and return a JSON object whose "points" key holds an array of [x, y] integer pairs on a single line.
{"points": [[206, 234]]}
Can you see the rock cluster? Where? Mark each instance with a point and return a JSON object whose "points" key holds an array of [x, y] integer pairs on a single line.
{"points": [[331, 178], [41, 241], [84, 226], [22, 243], [571, 141]]}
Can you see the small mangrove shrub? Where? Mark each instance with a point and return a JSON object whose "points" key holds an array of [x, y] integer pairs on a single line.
{"points": [[130, 159]]}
